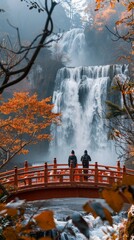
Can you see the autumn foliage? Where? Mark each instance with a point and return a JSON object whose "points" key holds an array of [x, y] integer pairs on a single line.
{"points": [[124, 25], [24, 121], [14, 224]]}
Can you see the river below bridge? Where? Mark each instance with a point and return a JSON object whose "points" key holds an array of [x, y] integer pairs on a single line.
{"points": [[64, 208]]}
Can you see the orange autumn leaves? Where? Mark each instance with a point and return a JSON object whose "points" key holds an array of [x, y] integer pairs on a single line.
{"points": [[24, 120], [45, 220], [129, 5], [109, 8], [19, 230]]}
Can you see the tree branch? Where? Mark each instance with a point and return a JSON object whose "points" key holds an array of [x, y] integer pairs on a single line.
{"points": [[48, 28]]}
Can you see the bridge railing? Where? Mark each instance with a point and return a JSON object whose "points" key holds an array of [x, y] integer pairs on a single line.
{"points": [[48, 175]]}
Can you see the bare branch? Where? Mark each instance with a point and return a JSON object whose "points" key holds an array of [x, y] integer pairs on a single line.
{"points": [[26, 55]]}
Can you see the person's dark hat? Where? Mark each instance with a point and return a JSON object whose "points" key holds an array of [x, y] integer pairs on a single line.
{"points": [[72, 151], [85, 151]]}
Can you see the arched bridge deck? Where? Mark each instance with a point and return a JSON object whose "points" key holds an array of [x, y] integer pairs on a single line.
{"points": [[59, 181]]}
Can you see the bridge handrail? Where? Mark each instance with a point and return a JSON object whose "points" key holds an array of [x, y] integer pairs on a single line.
{"points": [[48, 174], [41, 167]]}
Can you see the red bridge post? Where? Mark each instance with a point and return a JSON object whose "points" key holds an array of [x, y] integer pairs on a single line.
{"points": [[45, 174], [15, 176], [118, 168], [96, 173], [124, 170], [25, 166], [55, 169], [27, 180], [111, 178], [71, 173]]}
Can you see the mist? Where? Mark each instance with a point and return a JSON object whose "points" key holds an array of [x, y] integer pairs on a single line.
{"points": [[29, 22]]}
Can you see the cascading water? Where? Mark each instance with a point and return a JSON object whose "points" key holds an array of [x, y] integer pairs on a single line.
{"points": [[72, 48], [80, 94]]}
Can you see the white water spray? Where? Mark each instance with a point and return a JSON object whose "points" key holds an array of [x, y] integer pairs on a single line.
{"points": [[80, 95]]}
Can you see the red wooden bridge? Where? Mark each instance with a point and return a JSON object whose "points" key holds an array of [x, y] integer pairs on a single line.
{"points": [[59, 181]]}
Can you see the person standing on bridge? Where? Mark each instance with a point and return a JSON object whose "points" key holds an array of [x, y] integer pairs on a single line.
{"points": [[72, 159], [85, 159]]}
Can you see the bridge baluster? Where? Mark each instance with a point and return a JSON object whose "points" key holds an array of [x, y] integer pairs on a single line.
{"points": [[15, 176], [118, 168], [71, 173], [55, 168], [26, 177], [45, 174], [96, 173], [25, 166], [111, 178], [124, 170]]}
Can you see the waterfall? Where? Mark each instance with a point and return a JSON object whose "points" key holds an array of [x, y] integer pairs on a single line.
{"points": [[35, 75], [80, 94], [71, 47]]}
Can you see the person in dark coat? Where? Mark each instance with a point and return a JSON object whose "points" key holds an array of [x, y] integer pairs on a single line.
{"points": [[85, 159], [72, 159]]}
